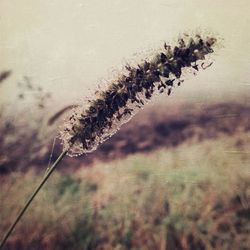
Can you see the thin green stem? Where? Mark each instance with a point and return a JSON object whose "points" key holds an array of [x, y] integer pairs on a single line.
{"points": [[45, 178]]}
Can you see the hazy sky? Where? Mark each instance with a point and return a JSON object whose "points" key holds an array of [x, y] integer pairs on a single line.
{"points": [[68, 46]]}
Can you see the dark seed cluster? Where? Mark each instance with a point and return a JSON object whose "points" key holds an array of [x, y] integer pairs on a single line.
{"points": [[89, 126]]}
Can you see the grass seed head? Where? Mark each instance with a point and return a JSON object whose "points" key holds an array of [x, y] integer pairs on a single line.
{"points": [[90, 125]]}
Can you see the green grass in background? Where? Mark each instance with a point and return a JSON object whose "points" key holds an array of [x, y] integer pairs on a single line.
{"points": [[195, 196]]}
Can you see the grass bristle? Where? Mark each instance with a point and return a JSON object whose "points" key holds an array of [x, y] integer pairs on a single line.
{"points": [[89, 126]]}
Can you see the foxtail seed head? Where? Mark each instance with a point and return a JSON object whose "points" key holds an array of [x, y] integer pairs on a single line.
{"points": [[90, 125]]}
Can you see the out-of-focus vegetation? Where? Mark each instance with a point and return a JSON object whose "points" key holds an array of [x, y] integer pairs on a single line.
{"points": [[4, 75], [27, 137], [194, 196], [24, 133], [175, 179]]}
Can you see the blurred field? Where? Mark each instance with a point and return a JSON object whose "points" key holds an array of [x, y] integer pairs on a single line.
{"points": [[27, 139], [175, 177], [193, 196]]}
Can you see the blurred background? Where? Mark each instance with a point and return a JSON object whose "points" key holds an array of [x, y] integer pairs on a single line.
{"points": [[177, 176]]}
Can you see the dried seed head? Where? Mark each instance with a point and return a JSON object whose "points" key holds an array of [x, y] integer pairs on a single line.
{"points": [[92, 124]]}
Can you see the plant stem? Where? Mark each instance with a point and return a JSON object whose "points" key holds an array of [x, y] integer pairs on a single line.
{"points": [[45, 178]]}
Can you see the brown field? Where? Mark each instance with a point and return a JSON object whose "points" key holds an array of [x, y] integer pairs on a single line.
{"points": [[148, 131], [169, 179]]}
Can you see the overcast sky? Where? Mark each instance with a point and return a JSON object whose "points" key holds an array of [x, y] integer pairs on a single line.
{"points": [[69, 46]]}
